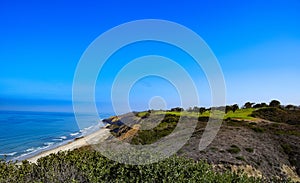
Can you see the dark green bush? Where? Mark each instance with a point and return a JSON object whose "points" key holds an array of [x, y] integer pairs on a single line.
{"points": [[249, 149], [90, 166], [164, 128], [257, 129], [234, 149], [286, 148], [240, 158]]}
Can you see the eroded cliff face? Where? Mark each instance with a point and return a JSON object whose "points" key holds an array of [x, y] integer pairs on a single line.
{"points": [[259, 147]]}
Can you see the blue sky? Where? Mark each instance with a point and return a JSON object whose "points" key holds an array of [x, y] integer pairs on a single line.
{"points": [[256, 42]]}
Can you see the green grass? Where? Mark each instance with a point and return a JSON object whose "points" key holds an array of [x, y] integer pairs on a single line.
{"points": [[243, 114], [143, 114], [240, 114], [183, 113]]}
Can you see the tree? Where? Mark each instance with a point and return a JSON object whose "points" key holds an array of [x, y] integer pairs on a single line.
{"points": [[235, 107], [177, 109], [290, 107], [228, 108], [257, 106], [202, 110], [248, 105], [260, 105], [264, 105], [274, 103]]}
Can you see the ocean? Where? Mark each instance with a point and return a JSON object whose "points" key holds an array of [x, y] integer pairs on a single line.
{"points": [[25, 134]]}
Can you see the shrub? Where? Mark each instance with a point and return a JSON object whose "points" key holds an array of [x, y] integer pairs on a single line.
{"points": [[257, 129], [240, 158], [234, 149], [90, 166], [286, 148], [248, 149], [164, 128]]}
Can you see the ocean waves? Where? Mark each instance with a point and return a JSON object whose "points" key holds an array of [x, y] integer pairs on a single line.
{"points": [[54, 142], [25, 134], [8, 154]]}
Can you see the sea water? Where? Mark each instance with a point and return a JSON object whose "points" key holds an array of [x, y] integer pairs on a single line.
{"points": [[25, 134]]}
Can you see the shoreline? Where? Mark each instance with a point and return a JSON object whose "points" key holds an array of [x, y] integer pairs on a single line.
{"points": [[93, 138]]}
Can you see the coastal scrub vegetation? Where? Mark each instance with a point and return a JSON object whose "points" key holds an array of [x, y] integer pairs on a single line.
{"points": [[86, 165], [234, 149]]}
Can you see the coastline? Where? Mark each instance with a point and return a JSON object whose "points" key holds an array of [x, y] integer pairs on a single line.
{"points": [[93, 138]]}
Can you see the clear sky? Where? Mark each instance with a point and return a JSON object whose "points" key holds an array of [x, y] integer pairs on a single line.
{"points": [[256, 42]]}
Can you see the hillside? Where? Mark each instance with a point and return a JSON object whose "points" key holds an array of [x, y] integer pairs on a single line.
{"points": [[246, 141], [248, 148]]}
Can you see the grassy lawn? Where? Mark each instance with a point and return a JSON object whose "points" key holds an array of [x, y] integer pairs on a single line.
{"points": [[142, 114], [238, 114]]}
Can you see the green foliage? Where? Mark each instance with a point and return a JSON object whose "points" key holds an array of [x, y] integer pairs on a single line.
{"points": [[232, 108], [235, 107], [257, 129], [288, 132], [196, 109], [177, 109], [252, 123], [261, 105], [234, 149], [249, 149], [241, 158], [214, 149], [202, 110], [228, 108], [286, 148], [248, 105], [143, 115], [237, 114], [90, 166], [280, 115], [203, 118], [274, 103], [240, 114], [271, 114], [164, 128]]}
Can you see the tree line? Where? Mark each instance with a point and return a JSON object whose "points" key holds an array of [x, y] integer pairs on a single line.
{"points": [[235, 107]]}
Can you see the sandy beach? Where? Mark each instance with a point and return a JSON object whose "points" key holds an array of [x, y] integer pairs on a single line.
{"points": [[93, 138]]}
